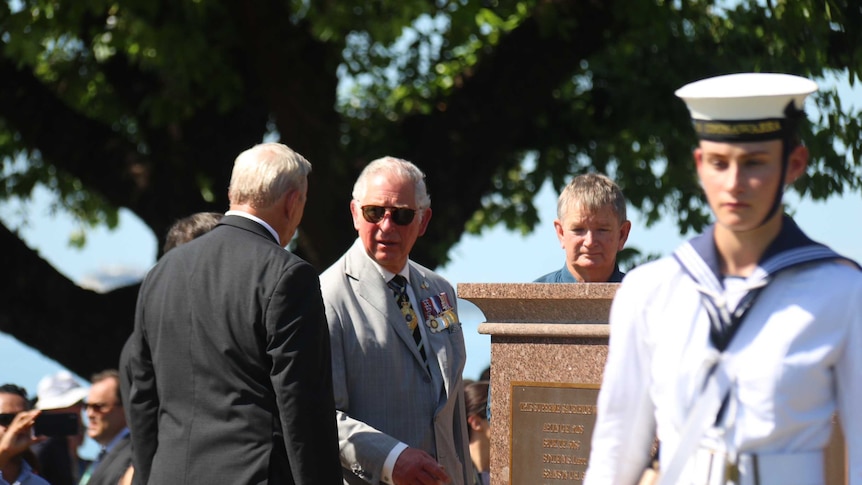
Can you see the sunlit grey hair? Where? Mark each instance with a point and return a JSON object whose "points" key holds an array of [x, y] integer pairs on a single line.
{"points": [[265, 172], [593, 192], [402, 169]]}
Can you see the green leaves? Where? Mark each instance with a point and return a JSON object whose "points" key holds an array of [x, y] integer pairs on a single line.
{"points": [[161, 95]]}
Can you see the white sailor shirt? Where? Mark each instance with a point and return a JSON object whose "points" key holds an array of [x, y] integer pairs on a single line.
{"points": [[796, 360]]}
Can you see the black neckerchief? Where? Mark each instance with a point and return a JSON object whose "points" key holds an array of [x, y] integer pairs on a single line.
{"points": [[699, 259]]}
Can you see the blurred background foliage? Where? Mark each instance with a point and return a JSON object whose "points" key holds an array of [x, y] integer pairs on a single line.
{"points": [[144, 104]]}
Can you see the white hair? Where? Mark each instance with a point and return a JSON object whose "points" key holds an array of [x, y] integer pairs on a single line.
{"points": [[399, 168], [265, 172]]}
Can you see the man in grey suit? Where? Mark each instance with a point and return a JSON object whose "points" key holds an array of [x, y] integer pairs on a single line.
{"points": [[397, 345], [230, 357]]}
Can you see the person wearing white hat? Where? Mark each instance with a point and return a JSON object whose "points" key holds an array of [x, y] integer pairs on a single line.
{"points": [[58, 455], [736, 351], [59, 391]]}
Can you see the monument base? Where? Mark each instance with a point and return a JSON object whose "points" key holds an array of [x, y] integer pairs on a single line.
{"points": [[537, 357]]}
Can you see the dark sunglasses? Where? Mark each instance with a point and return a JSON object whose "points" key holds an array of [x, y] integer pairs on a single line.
{"points": [[7, 418], [400, 215], [98, 407]]}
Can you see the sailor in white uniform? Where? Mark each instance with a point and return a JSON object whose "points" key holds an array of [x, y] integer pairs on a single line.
{"points": [[737, 350]]}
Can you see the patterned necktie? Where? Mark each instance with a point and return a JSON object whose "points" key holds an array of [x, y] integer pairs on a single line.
{"points": [[398, 284]]}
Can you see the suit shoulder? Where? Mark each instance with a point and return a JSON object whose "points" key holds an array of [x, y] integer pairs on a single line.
{"points": [[426, 272], [333, 278], [429, 274], [423, 269], [336, 270], [264, 249], [292, 260]]}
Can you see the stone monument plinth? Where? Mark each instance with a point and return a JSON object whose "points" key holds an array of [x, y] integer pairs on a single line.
{"points": [[548, 346]]}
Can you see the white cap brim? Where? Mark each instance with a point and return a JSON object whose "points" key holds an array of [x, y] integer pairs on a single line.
{"points": [[69, 398], [745, 96]]}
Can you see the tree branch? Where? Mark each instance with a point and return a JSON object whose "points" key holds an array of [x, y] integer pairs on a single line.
{"points": [[499, 112], [78, 328]]}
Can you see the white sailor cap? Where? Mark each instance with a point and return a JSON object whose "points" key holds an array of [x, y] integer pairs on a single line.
{"points": [[746, 106]]}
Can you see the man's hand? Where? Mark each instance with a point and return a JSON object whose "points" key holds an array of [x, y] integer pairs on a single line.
{"points": [[415, 467], [18, 436]]}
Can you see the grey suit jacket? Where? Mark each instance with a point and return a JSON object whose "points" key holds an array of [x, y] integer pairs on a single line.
{"points": [[383, 392]]}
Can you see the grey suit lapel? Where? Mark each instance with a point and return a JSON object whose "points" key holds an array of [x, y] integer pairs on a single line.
{"points": [[369, 285], [437, 343]]}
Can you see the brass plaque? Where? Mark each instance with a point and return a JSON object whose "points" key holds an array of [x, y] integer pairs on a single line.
{"points": [[552, 427]]}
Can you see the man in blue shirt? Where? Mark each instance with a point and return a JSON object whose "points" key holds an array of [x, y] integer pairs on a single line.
{"points": [[592, 227]]}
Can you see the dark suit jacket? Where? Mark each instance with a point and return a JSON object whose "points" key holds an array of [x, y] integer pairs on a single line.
{"points": [[230, 366], [110, 470]]}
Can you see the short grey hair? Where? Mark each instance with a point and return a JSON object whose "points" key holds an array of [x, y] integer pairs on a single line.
{"points": [[265, 172], [592, 191], [402, 169]]}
